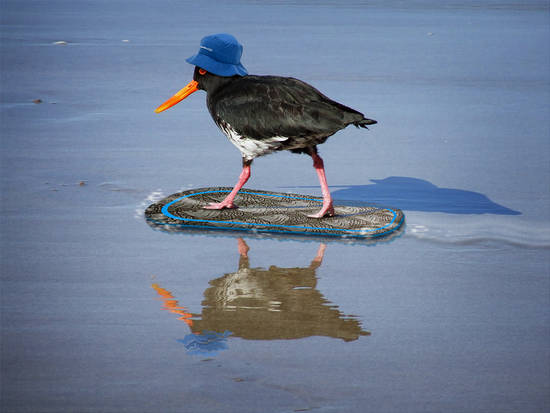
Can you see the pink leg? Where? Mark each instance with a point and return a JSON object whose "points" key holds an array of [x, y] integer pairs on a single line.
{"points": [[228, 201], [243, 254], [243, 247], [327, 209], [318, 260]]}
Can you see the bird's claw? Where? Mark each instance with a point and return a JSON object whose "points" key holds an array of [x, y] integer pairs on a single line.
{"points": [[220, 205], [324, 212]]}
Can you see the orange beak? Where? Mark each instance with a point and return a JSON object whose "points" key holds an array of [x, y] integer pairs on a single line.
{"points": [[178, 97]]}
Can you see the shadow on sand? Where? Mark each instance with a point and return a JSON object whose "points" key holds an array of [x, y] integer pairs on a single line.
{"points": [[415, 194]]}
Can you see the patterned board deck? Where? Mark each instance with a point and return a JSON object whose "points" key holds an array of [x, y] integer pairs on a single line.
{"points": [[272, 212]]}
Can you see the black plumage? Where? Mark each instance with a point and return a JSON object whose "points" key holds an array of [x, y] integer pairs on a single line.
{"points": [[261, 108]]}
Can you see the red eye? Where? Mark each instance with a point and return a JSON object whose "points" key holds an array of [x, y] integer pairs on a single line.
{"points": [[202, 71]]}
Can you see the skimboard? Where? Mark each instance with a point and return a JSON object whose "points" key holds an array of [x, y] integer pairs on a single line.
{"points": [[272, 212]]}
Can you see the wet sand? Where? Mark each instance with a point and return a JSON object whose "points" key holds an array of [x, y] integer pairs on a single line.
{"points": [[102, 313]]}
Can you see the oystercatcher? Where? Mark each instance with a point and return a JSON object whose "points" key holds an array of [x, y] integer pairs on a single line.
{"points": [[264, 114]]}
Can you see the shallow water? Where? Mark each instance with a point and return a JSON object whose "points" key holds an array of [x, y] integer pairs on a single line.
{"points": [[99, 310]]}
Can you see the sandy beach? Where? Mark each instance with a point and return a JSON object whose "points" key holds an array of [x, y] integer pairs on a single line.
{"points": [[101, 312]]}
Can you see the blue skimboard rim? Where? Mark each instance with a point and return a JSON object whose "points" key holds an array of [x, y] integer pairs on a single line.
{"points": [[361, 233]]}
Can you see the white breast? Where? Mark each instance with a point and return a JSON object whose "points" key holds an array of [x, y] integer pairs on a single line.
{"points": [[251, 148]]}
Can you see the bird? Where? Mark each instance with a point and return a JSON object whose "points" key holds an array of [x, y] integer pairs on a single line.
{"points": [[264, 114]]}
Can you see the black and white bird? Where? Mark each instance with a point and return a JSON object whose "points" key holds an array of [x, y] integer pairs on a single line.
{"points": [[264, 114]]}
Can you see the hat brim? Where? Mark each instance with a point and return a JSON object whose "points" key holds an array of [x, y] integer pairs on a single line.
{"points": [[218, 68]]}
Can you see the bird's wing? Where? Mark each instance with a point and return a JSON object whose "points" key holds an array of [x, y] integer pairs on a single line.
{"points": [[278, 107]]}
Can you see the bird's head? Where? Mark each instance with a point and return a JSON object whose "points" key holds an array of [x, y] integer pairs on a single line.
{"points": [[216, 63], [202, 80]]}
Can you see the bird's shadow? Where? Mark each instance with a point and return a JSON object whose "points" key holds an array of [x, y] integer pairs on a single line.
{"points": [[413, 194]]}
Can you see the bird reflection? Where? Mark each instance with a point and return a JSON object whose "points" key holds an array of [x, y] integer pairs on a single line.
{"points": [[265, 304]]}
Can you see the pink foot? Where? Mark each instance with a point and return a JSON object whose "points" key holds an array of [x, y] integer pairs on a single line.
{"points": [[221, 205], [326, 211]]}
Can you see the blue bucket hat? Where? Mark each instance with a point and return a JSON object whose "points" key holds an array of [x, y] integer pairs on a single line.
{"points": [[219, 54]]}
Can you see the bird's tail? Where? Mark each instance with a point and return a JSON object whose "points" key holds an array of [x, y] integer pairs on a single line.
{"points": [[364, 122]]}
